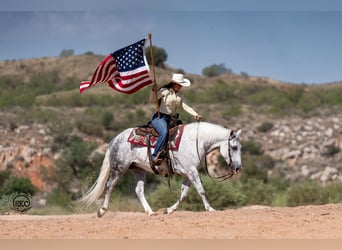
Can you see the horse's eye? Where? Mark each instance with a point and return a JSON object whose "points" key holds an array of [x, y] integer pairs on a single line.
{"points": [[234, 148]]}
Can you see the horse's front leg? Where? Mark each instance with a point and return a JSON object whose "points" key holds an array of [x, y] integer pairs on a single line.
{"points": [[196, 181], [140, 177], [184, 193]]}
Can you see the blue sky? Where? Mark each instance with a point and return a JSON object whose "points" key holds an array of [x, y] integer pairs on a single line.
{"points": [[293, 41]]}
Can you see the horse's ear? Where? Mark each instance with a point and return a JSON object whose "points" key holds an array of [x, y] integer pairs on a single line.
{"points": [[238, 133]]}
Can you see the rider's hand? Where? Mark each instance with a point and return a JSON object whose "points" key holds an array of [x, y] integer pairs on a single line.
{"points": [[198, 117]]}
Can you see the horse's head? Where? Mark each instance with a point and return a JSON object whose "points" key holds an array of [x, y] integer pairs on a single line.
{"points": [[232, 152], [235, 151]]}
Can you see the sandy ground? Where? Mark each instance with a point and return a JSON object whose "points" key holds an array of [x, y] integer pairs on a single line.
{"points": [[254, 222]]}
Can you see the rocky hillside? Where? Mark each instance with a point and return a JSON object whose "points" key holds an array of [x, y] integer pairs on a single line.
{"points": [[303, 146]]}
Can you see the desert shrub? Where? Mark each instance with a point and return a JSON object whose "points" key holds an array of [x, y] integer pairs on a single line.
{"points": [[66, 53], [232, 110], [220, 195], [252, 147], [279, 182], [309, 101], [76, 155], [265, 127], [16, 184], [294, 93], [137, 117], [42, 115], [107, 119], [216, 70], [62, 134], [311, 192], [331, 150], [223, 194], [4, 175], [220, 92], [59, 197], [304, 194], [252, 168], [6, 204], [280, 104], [159, 56], [274, 99], [76, 164], [257, 192], [121, 202], [164, 196], [332, 193], [332, 97], [90, 126]]}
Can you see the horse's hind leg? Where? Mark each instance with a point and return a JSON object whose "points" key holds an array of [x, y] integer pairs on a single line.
{"points": [[112, 181], [140, 177], [184, 193]]}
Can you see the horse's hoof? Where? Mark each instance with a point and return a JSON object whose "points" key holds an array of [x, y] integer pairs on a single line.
{"points": [[101, 212], [211, 209], [168, 210], [151, 213]]}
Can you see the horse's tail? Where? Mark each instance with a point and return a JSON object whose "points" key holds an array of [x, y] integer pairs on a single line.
{"points": [[97, 189]]}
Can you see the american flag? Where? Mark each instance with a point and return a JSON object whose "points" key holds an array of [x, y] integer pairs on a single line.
{"points": [[125, 70]]}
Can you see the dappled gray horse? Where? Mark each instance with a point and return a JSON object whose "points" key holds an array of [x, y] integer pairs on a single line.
{"points": [[198, 139]]}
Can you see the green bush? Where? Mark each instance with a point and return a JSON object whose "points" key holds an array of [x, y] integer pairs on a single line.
{"points": [[220, 92], [220, 195], [332, 97], [257, 192], [6, 203], [332, 150], [159, 56], [304, 194], [16, 184], [309, 101], [252, 147], [216, 70], [90, 126], [311, 192], [232, 110], [251, 169], [107, 119], [332, 193], [265, 127], [60, 198], [4, 175]]}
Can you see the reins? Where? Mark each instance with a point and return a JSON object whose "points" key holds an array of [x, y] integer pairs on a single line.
{"points": [[215, 178]]}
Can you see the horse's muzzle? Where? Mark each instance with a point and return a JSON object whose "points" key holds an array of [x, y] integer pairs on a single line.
{"points": [[236, 169]]}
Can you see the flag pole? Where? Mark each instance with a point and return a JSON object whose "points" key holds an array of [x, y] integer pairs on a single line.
{"points": [[154, 88]]}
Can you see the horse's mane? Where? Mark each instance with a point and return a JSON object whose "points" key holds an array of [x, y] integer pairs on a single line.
{"points": [[209, 130]]}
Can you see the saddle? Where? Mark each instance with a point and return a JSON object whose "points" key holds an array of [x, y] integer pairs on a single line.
{"points": [[148, 131]]}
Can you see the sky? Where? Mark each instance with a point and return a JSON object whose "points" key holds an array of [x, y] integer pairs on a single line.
{"points": [[296, 41]]}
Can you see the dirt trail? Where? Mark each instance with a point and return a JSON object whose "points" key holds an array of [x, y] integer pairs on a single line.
{"points": [[254, 222]]}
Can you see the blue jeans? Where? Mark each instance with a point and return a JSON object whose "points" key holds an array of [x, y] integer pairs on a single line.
{"points": [[161, 125]]}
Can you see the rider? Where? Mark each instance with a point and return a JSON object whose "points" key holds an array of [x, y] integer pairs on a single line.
{"points": [[169, 101]]}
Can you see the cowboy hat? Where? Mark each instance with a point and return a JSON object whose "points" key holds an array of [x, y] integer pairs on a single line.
{"points": [[179, 79]]}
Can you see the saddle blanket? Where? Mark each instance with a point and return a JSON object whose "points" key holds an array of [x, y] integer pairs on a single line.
{"points": [[141, 140]]}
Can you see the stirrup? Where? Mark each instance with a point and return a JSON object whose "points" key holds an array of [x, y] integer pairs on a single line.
{"points": [[157, 161]]}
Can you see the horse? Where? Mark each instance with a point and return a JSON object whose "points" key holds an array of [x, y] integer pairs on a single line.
{"points": [[198, 139]]}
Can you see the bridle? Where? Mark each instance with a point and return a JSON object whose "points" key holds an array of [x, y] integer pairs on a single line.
{"points": [[230, 164]]}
